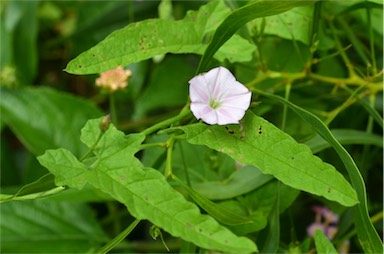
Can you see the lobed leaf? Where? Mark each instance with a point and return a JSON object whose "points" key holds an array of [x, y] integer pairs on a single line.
{"points": [[145, 39], [145, 192], [261, 144]]}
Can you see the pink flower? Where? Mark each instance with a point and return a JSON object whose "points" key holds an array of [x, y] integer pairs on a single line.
{"points": [[114, 79], [217, 98], [316, 225]]}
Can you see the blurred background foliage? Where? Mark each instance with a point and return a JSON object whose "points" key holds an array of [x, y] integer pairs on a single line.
{"points": [[42, 107]]}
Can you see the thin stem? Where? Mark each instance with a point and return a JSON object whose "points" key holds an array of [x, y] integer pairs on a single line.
{"points": [[368, 130], [185, 165], [332, 115], [168, 165], [183, 113], [285, 107], [112, 108], [120, 237], [92, 147], [152, 145], [371, 41], [342, 53]]}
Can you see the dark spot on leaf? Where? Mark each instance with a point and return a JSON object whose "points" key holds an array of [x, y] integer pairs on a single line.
{"points": [[260, 130], [329, 189], [80, 66], [200, 230], [292, 158]]}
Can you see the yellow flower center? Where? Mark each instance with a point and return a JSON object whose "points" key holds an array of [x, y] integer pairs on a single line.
{"points": [[215, 103]]}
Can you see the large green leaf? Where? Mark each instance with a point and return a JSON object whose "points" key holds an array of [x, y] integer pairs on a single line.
{"points": [[48, 227], [145, 192], [285, 25], [43, 118], [257, 142], [368, 236], [241, 16], [145, 39]]}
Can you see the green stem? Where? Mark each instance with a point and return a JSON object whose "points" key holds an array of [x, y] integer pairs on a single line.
{"points": [[112, 108], [152, 145], [92, 147], [185, 165], [357, 45], [344, 56], [120, 237], [371, 41], [285, 107], [168, 165], [366, 147], [183, 113]]}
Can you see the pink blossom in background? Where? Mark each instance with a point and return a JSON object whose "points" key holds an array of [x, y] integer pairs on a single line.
{"points": [[116, 79], [217, 98]]}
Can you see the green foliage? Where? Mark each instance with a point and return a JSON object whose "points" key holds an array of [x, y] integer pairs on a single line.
{"points": [[46, 112], [149, 38], [76, 182], [144, 191], [43, 225], [257, 142]]}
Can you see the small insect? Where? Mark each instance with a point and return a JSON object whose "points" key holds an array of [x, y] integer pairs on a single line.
{"points": [[232, 132], [260, 130]]}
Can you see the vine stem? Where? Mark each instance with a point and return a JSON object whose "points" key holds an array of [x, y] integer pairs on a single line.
{"points": [[285, 107], [112, 108], [183, 113]]}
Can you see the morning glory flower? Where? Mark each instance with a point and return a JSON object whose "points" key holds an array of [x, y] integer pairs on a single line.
{"points": [[217, 98]]}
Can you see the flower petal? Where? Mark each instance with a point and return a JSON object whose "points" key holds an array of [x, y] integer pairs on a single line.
{"points": [[200, 109], [216, 80], [231, 98], [198, 89], [240, 101], [211, 117]]}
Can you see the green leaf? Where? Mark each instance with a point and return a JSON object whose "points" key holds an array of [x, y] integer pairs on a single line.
{"points": [[240, 182], [241, 16], [259, 143], [42, 187], [145, 192], [285, 25], [323, 245], [368, 236], [21, 19], [145, 39], [345, 136], [43, 118], [163, 91], [48, 227], [217, 211]]}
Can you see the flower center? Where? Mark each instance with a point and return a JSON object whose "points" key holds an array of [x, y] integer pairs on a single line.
{"points": [[214, 103]]}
